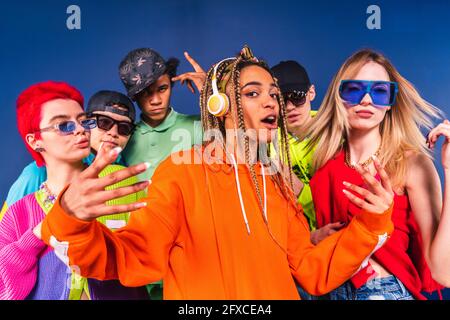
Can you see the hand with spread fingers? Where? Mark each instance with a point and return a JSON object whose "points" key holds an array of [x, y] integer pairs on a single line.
{"points": [[443, 129], [198, 77], [378, 197], [86, 197]]}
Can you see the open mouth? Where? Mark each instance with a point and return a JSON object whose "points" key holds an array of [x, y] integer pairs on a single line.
{"points": [[270, 121]]}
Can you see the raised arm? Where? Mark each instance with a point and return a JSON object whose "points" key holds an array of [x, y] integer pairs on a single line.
{"points": [[432, 212]]}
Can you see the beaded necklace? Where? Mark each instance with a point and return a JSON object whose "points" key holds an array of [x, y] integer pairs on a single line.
{"points": [[50, 197]]}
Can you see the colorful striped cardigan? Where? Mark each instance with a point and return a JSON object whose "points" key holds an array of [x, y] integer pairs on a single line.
{"points": [[29, 269]]}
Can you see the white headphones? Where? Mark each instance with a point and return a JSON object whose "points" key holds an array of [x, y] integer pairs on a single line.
{"points": [[218, 103]]}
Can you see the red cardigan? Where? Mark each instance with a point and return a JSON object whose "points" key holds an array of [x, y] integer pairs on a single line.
{"points": [[402, 255]]}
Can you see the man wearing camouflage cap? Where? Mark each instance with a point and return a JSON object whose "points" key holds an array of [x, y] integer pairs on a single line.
{"points": [[148, 79]]}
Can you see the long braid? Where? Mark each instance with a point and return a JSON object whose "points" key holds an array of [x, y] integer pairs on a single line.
{"points": [[210, 121], [242, 128], [285, 144]]}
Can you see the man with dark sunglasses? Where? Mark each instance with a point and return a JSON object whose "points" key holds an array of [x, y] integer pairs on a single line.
{"points": [[298, 92], [114, 114]]}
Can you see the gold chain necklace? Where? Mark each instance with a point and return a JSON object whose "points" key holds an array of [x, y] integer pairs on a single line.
{"points": [[362, 164]]}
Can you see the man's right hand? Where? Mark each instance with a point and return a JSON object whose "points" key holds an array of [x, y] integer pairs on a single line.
{"points": [[198, 77], [327, 230], [86, 197]]}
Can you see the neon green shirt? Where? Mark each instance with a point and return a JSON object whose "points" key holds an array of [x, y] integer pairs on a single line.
{"points": [[302, 166]]}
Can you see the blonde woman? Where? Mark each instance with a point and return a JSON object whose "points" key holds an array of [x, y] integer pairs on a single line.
{"points": [[371, 118]]}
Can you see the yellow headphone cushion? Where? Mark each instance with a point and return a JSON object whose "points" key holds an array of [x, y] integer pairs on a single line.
{"points": [[218, 104]]}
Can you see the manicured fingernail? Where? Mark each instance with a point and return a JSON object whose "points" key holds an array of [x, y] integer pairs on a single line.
{"points": [[345, 191], [147, 165], [150, 181], [346, 183], [141, 204], [116, 151]]}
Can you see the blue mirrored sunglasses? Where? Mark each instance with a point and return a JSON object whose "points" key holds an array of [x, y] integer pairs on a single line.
{"points": [[68, 127], [382, 93]]}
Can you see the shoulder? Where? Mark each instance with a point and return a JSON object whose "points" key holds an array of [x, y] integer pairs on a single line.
{"points": [[33, 170], [27, 205], [187, 118], [180, 162], [419, 168], [28, 182], [418, 161]]}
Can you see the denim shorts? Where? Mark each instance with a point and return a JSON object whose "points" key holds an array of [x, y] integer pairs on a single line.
{"points": [[387, 288]]}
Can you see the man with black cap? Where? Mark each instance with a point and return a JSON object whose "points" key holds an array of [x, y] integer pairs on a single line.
{"points": [[148, 79], [298, 92], [115, 114]]}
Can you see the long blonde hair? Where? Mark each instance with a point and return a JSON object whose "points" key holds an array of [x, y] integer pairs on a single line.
{"points": [[399, 130]]}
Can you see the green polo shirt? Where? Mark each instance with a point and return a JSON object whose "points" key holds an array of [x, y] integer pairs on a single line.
{"points": [[176, 133]]}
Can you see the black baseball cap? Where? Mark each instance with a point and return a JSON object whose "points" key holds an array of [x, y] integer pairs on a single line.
{"points": [[105, 100], [291, 76]]}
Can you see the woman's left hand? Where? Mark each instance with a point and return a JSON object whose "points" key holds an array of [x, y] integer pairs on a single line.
{"points": [[378, 197], [443, 129]]}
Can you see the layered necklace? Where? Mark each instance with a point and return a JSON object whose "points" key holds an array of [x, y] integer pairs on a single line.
{"points": [[364, 163], [50, 197]]}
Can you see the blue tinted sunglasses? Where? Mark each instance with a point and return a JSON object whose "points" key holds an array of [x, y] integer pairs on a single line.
{"points": [[382, 93], [68, 127]]}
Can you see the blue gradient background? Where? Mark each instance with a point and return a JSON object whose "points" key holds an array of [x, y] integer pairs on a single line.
{"points": [[37, 46]]}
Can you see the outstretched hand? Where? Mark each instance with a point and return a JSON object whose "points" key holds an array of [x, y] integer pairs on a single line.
{"points": [[86, 197], [198, 77], [378, 197]]}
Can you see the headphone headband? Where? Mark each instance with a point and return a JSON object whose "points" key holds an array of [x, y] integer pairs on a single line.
{"points": [[214, 77], [218, 103]]}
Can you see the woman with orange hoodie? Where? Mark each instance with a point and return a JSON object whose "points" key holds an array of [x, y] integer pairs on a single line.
{"points": [[208, 227]]}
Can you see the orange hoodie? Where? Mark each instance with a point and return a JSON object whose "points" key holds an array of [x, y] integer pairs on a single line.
{"points": [[192, 235]]}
